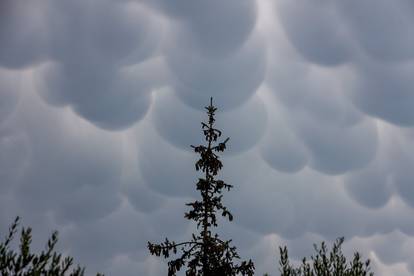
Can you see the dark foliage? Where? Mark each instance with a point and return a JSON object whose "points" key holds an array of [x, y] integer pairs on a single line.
{"points": [[325, 263], [206, 254], [26, 263]]}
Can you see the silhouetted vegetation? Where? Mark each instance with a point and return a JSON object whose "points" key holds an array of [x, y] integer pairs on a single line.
{"points": [[206, 254], [325, 263], [26, 263]]}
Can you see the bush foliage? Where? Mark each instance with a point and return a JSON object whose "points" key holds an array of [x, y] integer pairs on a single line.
{"points": [[23, 262], [325, 263]]}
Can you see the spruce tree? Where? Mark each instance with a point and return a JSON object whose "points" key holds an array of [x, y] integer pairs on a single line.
{"points": [[206, 254]]}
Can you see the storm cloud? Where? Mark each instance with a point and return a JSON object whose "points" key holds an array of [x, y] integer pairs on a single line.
{"points": [[101, 100]]}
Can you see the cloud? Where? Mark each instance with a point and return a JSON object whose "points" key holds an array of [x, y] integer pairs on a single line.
{"points": [[23, 33], [10, 93], [386, 35], [337, 150], [361, 184], [165, 169], [99, 104], [231, 79], [281, 148], [391, 87], [246, 123], [208, 25], [69, 160], [96, 94], [316, 31]]}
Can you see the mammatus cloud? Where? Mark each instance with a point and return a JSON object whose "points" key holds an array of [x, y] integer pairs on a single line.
{"points": [[206, 26], [99, 104]]}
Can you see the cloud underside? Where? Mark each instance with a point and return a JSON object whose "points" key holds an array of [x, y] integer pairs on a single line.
{"points": [[99, 104]]}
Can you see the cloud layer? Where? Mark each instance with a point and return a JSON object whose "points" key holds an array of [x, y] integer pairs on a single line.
{"points": [[99, 104]]}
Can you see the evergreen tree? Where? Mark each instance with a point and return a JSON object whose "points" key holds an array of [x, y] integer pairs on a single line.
{"points": [[206, 254], [325, 263], [26, 263]]}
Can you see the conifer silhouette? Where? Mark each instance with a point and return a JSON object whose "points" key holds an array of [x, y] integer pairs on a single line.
{"points": [[206, 254], [325, 263], [23, 262]]}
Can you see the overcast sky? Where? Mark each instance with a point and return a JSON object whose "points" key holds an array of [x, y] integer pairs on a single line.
{"points": [[101, 99]]}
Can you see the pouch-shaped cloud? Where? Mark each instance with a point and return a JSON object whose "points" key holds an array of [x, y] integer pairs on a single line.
{"points": [[23, 33], [384, 29], [302, 88], [10, 91], [316, 31], [142, 198], [260, 217], [403, 159], [231, 80], [296, 211], [116, 33], [280, 147], [320, 92], [15, 149], [14, 143], [69, 160], [337, 150], [110, 98], [361, 184], [214, 28], [335, 134], [393, 248], [403, 176], [173, 174], [328, 32], [102, 64], [307, 202], [391, 86], [388, 175], [244, 125]]}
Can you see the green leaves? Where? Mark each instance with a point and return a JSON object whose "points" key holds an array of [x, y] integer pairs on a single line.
{"points": [[26, 263]]}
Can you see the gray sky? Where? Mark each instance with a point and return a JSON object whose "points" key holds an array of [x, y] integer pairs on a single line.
{"points": [[101, 99]]}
